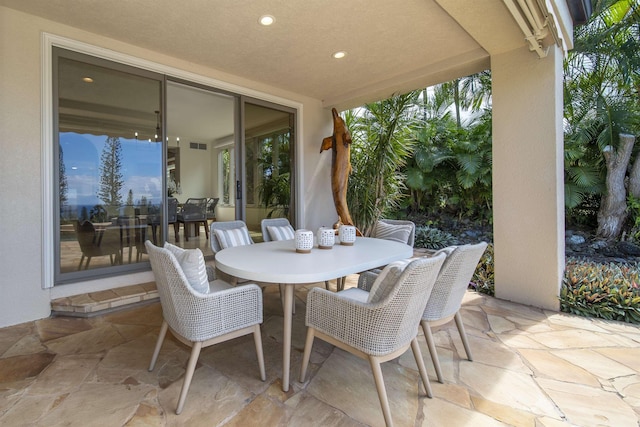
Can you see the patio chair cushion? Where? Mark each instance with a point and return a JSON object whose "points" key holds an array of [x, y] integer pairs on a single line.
{"points": [[395, 232], [192, 263], [284, 232], [386, 280], [233, 237]]}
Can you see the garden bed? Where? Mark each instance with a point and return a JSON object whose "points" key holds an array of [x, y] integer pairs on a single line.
{"points": [[601, 277]]}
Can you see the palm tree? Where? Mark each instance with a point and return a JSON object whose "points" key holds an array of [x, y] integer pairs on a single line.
{"points": [[602, 78], [451, 167], [471, 93], [382, 141]]}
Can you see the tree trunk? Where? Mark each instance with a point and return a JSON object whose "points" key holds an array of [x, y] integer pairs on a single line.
{"points": [[613, 207], [456, 98]]}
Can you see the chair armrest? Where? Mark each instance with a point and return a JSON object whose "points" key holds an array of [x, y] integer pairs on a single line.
{"points": [[366, 279], [371, 328], [217, 313]]}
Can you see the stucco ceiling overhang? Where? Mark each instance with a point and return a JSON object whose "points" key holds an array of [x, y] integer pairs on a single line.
{"points": [[392, 47]]}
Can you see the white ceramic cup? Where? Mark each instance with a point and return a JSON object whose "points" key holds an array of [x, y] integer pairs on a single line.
{"points": [[347, 234], [304, 241], [326, 238]]}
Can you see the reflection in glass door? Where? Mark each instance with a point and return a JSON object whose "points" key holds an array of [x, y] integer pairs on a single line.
{"points": [[268, 165], [109, 165], [200, 154]]}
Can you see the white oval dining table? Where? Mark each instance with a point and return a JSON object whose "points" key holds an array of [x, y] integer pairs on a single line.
{"points": [[278, 262]]}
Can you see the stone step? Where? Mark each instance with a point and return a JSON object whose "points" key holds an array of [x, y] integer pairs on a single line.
{"points": [[95, 303]]}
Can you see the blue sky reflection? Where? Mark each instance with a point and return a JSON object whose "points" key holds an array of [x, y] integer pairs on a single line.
{"points": [[141, 168]]}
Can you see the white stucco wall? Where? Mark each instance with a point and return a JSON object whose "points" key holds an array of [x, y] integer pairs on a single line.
{"points": [[528, 193], [21, 179]]}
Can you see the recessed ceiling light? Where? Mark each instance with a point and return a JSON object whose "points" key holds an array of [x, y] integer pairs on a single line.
{"points": [[266, 20], [87, 79], [340, 54]]}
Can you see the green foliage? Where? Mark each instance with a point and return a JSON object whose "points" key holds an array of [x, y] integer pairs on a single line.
{"points": [[274, 188], [275, 192], [451, 167], [382, 141], [226, 175], [601, 77], [633, 205], [483, 279], [607, 291], [433, 238]]}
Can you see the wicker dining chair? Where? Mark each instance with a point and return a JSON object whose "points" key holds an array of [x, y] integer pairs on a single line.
{"points": [[215, 243], [389, 229], [395, 229], [200, 319], [274, 229], [212, 202], [379, 325], [446, 297], [97, 243], [194, 211], [234, 233], [172, 216], [280, 229]]}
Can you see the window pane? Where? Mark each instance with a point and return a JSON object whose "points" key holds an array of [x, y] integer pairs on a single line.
{"points": [[268, 161], [109, 167]]}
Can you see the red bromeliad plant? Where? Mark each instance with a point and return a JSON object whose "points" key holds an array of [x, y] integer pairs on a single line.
{"points": [[607, 291]]}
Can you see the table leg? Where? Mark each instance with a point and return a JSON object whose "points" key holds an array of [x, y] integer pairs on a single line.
{"points": [[286, 345]]}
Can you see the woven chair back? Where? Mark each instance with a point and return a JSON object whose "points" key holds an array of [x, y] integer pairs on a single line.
{"points": [[453, 280]]}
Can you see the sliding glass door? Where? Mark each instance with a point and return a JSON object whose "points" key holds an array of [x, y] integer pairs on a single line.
{"points": [[141, 156], [109, 163], [201, 140]]}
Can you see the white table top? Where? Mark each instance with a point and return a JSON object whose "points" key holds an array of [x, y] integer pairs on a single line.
{"points": [[278, 262]]}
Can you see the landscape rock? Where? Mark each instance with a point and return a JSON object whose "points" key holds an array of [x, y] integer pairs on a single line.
{"points": [[629, 248], [576, 239]]}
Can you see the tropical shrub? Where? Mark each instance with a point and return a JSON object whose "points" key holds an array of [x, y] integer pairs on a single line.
{"points": [[450, 169], [607, 291], [602, 290], [601, 77], [382, 141], [483, 279], [633, 203], [433, 238]]}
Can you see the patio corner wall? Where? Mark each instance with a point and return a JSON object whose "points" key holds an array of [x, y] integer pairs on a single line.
{"points": [[528, 177]]}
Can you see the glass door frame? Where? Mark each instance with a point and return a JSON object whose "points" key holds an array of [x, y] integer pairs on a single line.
{"points": [[58, 276]]}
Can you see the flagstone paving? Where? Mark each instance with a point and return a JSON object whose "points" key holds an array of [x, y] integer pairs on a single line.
{"points": [[531, 367]]}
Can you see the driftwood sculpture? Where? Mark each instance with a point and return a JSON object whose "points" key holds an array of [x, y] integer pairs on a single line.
{"points": [[340, 145]]}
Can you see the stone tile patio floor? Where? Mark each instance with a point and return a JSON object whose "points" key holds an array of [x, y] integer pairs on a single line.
{"points": [[531, 368]]}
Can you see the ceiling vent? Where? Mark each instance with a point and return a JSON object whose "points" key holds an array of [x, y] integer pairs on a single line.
{"points": [[196, 146]]}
